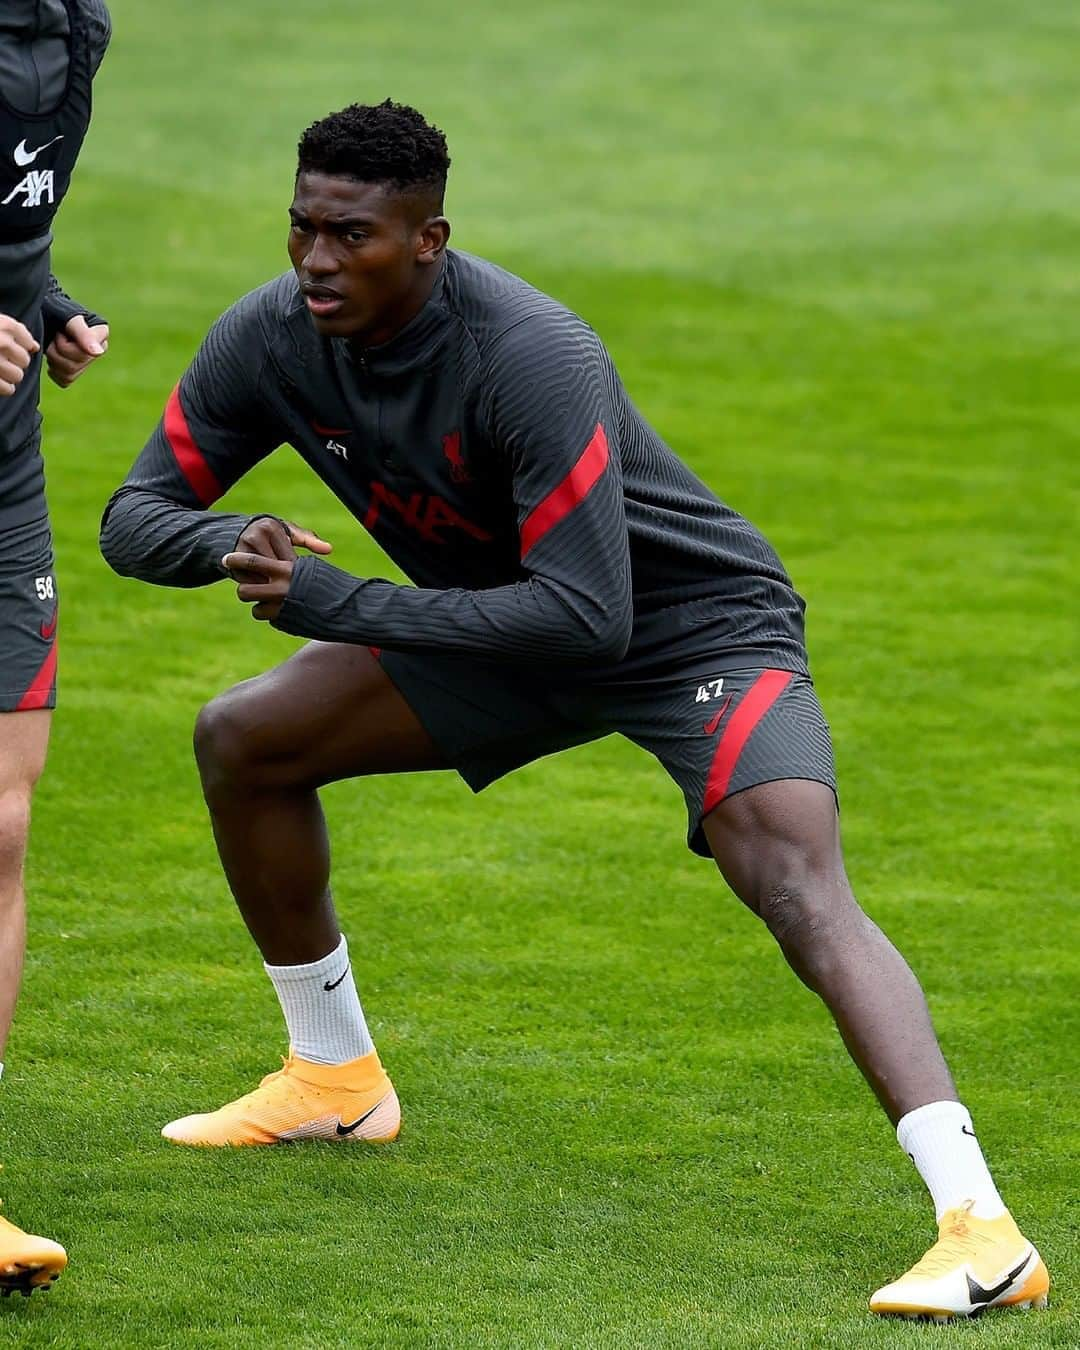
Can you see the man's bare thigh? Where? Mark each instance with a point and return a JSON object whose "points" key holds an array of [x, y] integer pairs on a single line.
{"points": [[329, 712]]}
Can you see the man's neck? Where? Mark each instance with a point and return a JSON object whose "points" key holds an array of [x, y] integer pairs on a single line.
{"points": [[379, 337]]}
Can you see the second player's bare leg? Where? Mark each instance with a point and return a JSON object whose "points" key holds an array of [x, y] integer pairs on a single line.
{"points": [[24, 739], [26, 1260], [263, 749], [778, 846]]}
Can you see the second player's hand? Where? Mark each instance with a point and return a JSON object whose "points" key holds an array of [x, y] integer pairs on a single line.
{"points": [[17, 347], [73, 348]]}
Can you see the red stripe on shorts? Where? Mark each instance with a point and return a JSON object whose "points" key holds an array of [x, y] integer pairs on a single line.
{"points": [[37, 696], [753, 706], [190, 458]]}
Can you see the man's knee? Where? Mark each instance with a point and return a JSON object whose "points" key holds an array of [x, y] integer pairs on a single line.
{"points": [[812, 915], [14, 827], [229, 739], [793, 910], [24, 739]]}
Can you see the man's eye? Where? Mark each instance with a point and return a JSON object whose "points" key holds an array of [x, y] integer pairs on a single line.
{"points": [[355, 236], [297, 228]]}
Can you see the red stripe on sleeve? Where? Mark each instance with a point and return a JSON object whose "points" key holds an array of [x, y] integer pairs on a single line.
{"points": [[571, 491], [190, 458], [37, 696], [753, 706]]}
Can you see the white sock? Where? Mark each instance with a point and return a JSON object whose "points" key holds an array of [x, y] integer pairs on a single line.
{"points": [[322, 1009], [940, 1140]]}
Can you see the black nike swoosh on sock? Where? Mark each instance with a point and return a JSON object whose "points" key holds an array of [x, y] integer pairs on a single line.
{"points": [[348, 1129], [964, 1130], [977, 1294], [328, 986]]}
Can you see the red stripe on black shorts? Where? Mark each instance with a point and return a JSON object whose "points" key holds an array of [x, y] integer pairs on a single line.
{"points": [[752, 707]]}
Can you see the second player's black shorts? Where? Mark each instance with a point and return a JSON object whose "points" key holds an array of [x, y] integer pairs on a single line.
{"points": [[716, 730], [28, 618]]}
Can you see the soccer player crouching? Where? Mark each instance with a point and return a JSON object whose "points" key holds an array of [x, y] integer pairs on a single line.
{"points": [[572, 578]]}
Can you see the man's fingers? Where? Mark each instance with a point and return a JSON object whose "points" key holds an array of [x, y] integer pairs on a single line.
{"points": [[309, 539], [273, 538], [13, 361], [260, 581], [255, 564], [251, 592], [280, 542], [64, 370], [268, 537], [245, 566], [15, 334], [270, 575], [11, 375], [92, 341], [17, 347], [67, 348], [73, 349]]}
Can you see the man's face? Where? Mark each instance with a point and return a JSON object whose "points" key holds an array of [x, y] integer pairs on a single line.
{"points": [[362, 255]]}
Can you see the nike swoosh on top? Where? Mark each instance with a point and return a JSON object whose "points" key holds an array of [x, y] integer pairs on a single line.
{"points": [[328, 986], [48, 629], [714, 722], [23, 156], [977, 1294], [348, 1129]]}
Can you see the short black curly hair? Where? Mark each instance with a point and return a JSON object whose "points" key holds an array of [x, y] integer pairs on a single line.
{"points": [[378, 143]]}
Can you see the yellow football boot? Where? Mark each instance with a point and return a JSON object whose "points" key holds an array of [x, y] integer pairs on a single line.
{"points": [[27, 1262], [341, 1102], [974, 1265]]}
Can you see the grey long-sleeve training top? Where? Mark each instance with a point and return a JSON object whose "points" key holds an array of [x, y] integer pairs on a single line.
{"points": [[492, 451]]}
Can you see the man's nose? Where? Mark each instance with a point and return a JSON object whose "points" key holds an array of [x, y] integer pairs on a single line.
{"points": [[321, 259]]}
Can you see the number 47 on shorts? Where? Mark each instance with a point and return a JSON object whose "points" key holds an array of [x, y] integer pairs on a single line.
{"points": [[710, 690]]}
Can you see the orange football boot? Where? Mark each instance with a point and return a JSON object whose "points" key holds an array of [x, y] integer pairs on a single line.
{"points": [[340, 1102], [974, 1265], [27, 1262]]}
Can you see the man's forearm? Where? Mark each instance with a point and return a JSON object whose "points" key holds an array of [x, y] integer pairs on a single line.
{"points": [[538, 619], [146, 536]]}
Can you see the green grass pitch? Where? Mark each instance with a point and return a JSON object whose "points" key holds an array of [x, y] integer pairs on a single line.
{"points": [[832, 247]]}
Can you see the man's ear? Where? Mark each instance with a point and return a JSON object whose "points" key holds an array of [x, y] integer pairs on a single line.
{"points": [[431, 241]]}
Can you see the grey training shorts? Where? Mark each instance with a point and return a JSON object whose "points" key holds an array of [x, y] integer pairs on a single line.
{"points": [[716, 730]]}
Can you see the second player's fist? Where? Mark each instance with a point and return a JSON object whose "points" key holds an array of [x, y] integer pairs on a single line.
{"points": [[17, 348], [73, 349]]}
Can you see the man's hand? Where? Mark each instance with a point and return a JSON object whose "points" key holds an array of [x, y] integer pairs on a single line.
{"points": [[261, 582], [73, 348], [269, 537], [262, 563], [17, 347]]}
